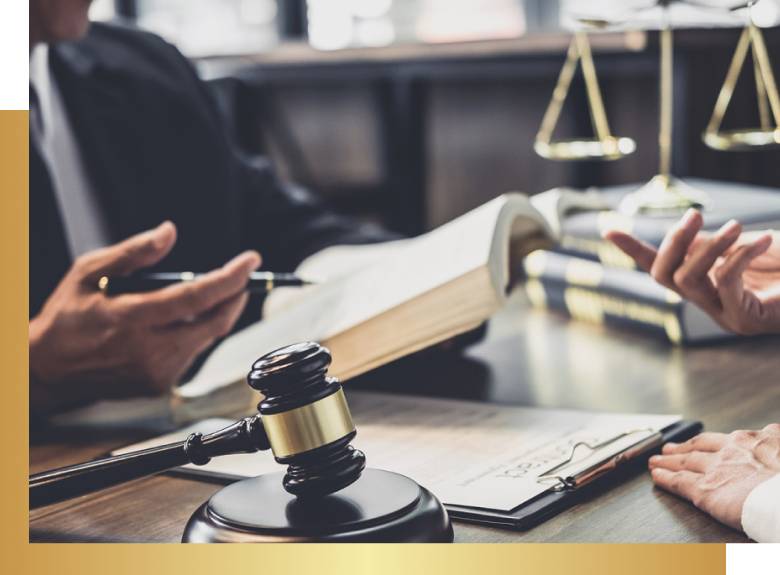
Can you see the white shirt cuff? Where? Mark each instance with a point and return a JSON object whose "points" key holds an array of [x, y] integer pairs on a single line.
{"points": [[761, 512]]}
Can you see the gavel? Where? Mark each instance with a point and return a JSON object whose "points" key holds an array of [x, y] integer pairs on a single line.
{"points": [[305, 420]]}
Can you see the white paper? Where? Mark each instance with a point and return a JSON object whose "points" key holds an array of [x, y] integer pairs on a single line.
{"points": [[467, 453]]}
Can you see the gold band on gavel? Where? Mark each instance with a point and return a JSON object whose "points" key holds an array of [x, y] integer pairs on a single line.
{"points": [[309, 426]]}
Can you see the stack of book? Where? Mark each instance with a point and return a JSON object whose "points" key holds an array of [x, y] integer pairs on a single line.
{"points": [[589, 278]]}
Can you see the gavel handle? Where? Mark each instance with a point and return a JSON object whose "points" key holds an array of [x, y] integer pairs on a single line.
{"points": [[244, 436]]}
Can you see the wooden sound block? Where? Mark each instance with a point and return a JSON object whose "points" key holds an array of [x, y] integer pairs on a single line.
{"points": [[379, 507]]}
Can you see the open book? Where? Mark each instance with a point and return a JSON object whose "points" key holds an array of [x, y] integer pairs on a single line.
{"points": [[414, 294]]}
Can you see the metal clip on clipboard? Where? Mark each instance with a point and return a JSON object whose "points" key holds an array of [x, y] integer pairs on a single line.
{"points": [[563, 482]]}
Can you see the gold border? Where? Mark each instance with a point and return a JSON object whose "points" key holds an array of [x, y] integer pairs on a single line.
{"points": [[14, 424], [22, 557]]}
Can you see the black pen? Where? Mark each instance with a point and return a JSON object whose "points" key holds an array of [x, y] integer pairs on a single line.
{"points": [[259, 282]]}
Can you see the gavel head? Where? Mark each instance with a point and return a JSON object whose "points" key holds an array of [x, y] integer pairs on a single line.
{"points": [[307, 420]]}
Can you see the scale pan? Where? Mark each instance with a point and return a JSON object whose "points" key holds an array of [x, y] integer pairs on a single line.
{"points": [[734, 140], [612, 148]]}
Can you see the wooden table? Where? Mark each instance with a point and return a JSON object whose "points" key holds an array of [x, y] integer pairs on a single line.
{"points": [[528, 358]]}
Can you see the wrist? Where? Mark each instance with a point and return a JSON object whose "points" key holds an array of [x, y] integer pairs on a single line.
{"points": [[35, 338], [47, 394]]}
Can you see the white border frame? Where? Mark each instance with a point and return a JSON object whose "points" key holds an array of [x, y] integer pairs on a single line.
{"points": [[14, 55], [753, 559]]}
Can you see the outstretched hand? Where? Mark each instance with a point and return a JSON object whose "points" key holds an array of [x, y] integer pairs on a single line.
{"points": [[732, 276], [717, 472], [86, 346]]}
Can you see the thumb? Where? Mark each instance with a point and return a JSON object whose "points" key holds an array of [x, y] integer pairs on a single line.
{"points": [[136, 252]]}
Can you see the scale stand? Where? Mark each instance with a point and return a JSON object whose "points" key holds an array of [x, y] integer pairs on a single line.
{"points": [[664, 194], [604, 146], [768, 135]]}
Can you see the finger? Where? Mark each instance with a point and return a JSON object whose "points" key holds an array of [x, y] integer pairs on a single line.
{"points": [[692, 277], [675, 247], [196, 337], [773, 428], [187, 300], [136, 252], [729, 273], [761, 264], [749, 237], [174, 348], [642, 253], [728, 279], [700, 238], [681, 483], [706, 441], [697, 461], [735, 263]]}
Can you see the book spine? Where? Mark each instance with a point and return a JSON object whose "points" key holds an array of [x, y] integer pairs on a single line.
{"points": [[590, 291], [598, 307], [567, 269], [597, 250]]}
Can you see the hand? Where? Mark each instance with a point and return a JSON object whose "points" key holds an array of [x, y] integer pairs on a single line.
{"points": [[733, 277], [717, 472], [86, 346]]}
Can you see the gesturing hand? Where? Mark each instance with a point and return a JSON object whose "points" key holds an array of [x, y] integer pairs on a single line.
{"points": [[86, 346], [733, 277], [717, 472]]}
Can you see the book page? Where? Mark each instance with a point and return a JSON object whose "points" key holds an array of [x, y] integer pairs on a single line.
{"points": [[331, 264], [469, 454], [556, 204]]}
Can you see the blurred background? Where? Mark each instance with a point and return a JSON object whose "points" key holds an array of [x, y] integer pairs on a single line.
{"points": [[411, 112]]}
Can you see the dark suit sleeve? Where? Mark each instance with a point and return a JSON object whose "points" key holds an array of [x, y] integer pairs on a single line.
{"points": [[287, 223], [284, 222]]}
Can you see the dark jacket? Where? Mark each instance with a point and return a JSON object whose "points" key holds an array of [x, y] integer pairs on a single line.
{"points": [[155, 148]]}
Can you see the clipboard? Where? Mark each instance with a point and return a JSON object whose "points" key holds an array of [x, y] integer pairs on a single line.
{"points": [[566, 491]]}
